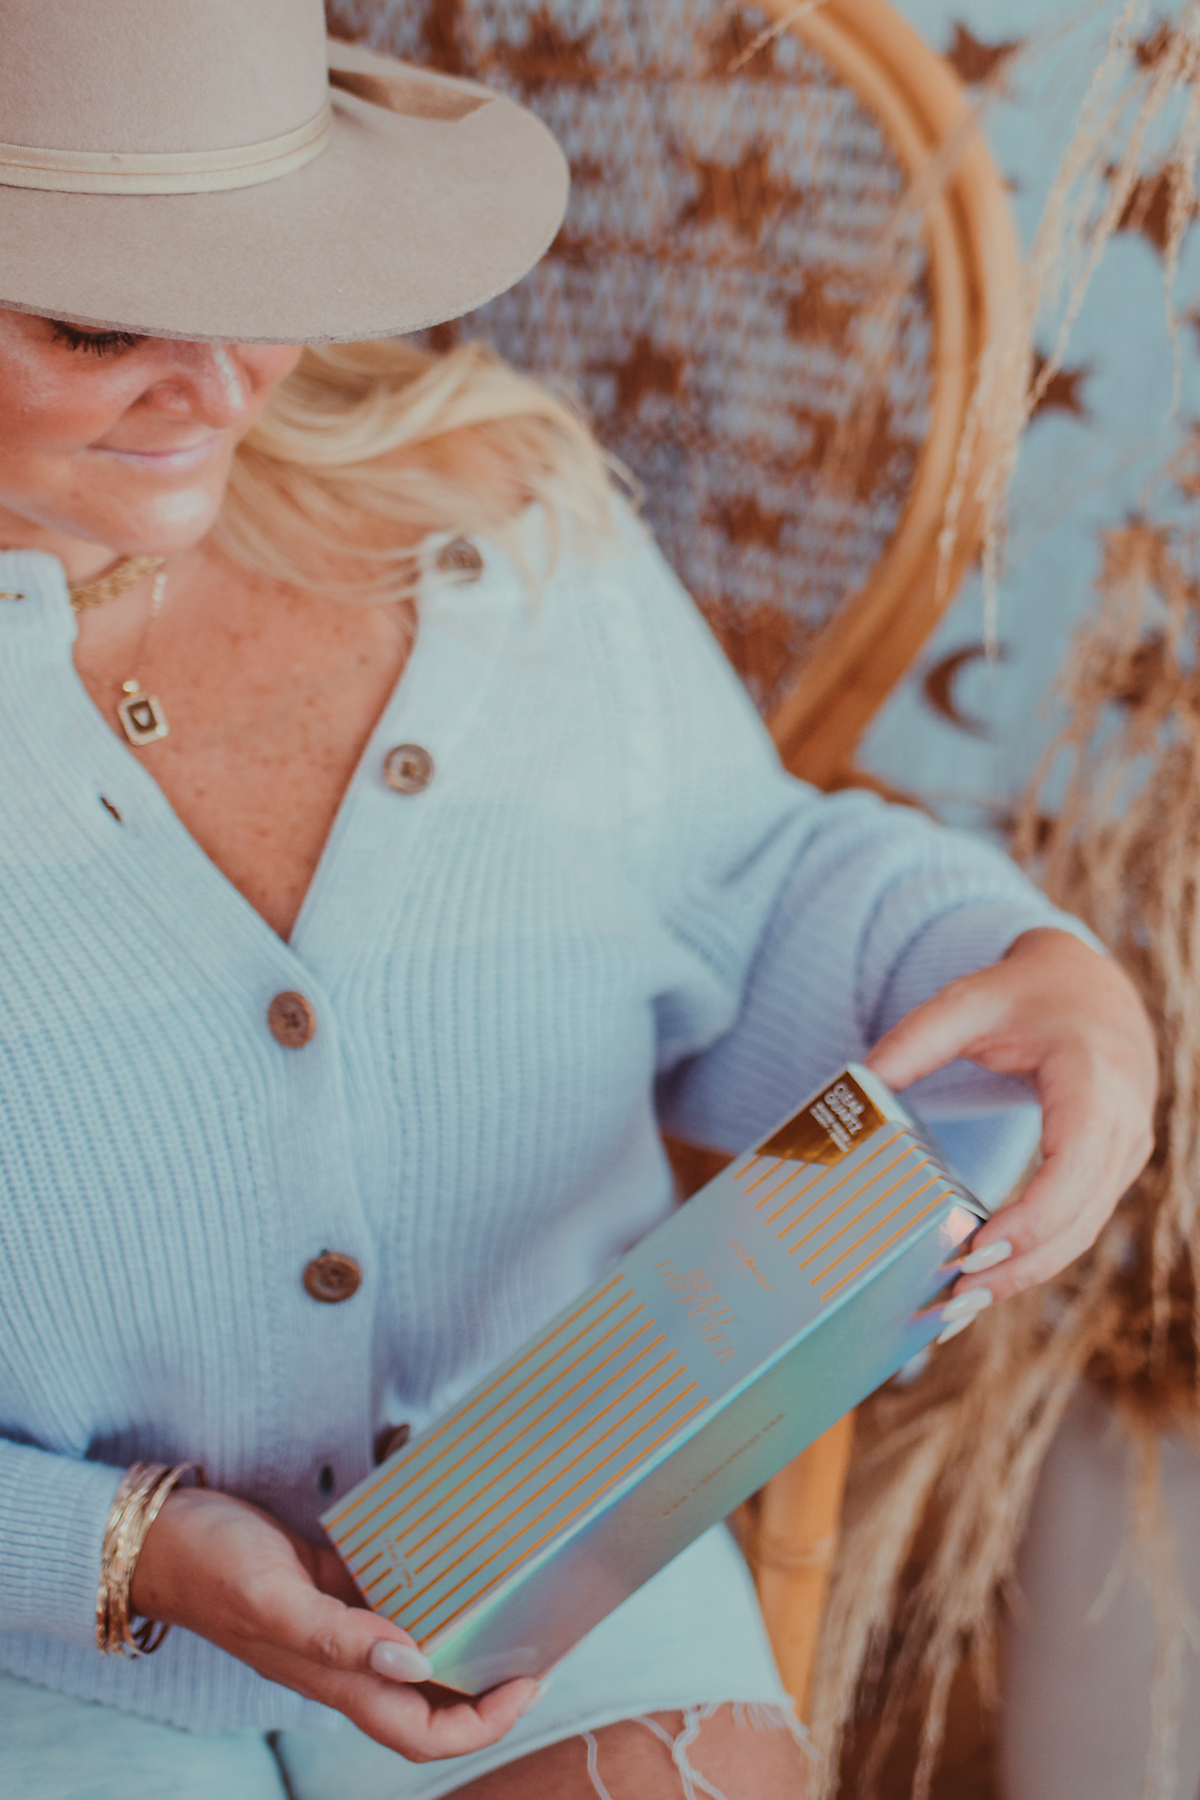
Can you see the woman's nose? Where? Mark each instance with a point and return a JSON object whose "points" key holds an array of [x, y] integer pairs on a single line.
{"points": [[208, 382]]}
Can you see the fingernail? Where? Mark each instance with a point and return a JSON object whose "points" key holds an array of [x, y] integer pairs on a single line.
{"points": [[399, 1662], [965, 1306], [987, 1258], [537, 1694], [952, 1331]]}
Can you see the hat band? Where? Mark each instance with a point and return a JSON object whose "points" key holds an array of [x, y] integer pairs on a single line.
{"points": [[171, 172]]}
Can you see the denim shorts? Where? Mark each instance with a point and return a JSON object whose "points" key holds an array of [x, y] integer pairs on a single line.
{"points": [[692, 1637]]}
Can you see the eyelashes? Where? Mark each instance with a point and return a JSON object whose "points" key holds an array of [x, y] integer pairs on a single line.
{"points": [[96, 343]]}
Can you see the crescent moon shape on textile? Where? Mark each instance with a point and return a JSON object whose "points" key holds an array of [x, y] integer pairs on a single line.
{"points": [[937, 687]]}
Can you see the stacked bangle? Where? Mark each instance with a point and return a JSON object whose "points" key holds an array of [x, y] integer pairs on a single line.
{"points": [[136, 1505]]}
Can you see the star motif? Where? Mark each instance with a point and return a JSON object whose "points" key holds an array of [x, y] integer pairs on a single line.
{"points": [[973, 61], [443, 337], [742, 195], [340, 21], [812, 317], [732, 41], [1151, 50], [444, 35], [549, 53], [647, 370], [872, 456], [1148, 208], [822, 429], [590, 169], [744, 521], [1134, 678], [863, 454], [763, 643], [1062, 390]]}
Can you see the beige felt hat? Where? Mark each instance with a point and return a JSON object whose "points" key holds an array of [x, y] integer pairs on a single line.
{"points": [[219, 169]]}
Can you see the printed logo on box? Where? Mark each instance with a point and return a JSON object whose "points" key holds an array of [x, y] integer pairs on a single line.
{"points": [[824, 1132], [703, 1305]]}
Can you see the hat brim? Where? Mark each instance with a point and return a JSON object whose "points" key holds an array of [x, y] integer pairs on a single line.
{"points": [[400, 223]]}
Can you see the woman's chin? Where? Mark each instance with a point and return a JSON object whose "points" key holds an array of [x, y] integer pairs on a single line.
{"points": [[162, 523]]}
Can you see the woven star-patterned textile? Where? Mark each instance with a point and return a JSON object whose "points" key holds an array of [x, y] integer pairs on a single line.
{"points": [[737, 294]]}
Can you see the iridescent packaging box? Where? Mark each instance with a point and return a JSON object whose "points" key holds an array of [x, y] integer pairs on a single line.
{"points": [[713, 1353]]}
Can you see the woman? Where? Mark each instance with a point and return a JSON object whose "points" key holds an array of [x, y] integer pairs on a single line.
{"points": [[380, 832]]}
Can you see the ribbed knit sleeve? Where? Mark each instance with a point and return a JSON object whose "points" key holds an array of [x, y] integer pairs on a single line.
{"points": [[53, 1511], [808, 923]]}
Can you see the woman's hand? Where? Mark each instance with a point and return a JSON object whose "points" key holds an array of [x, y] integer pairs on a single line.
{"points": [[1070, 1022], [289, 1609]]}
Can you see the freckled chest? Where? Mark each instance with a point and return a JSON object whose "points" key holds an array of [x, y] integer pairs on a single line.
{"points": [[271, 698]]}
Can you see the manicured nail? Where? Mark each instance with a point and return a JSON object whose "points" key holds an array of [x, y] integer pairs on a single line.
{"points": [[952, 1331], [965, 1306], [979, 1260], [399, 1662], [537, 1694]]}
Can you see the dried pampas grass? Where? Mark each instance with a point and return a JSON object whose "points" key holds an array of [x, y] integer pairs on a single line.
{"points": [[950, 1462], [945, 1468], [1145, 78]]}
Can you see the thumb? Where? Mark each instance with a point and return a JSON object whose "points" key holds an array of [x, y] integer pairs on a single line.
{"points": [[349, 1639]]}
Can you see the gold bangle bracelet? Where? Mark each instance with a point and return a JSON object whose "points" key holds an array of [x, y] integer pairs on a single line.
{"points": [[137, 1503]]}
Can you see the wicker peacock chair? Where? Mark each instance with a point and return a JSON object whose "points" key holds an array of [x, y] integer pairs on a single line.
{"points": [[785, 247]]}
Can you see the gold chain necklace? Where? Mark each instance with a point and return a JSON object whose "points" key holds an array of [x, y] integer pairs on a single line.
{"points": [[113, 582], [141, 715]]}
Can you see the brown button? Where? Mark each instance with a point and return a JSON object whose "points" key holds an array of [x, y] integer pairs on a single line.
{"points": [[407, 769], [391, 1439], [460, 557], [331, 1277], [292, 1020]]}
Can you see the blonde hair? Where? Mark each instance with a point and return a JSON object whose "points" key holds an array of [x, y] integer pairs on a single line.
{"points": [[367, 448]]}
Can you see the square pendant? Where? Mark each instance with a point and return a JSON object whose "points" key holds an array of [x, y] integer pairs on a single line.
{"points": [[142, 719]]}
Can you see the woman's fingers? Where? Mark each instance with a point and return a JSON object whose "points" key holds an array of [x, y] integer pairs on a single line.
{"points": [[1094, 1146], [1069, 1021], [1047, 1229], [425, 1729], [1060, 1215], [225, 1569], [363, 1665], [936, 1032], [399, 1662], [366, 1667]]}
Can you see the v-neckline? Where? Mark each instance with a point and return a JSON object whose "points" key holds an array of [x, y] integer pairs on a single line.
{"points": [[439, 639]]}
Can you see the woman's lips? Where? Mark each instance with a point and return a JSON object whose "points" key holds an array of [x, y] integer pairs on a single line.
{"points": [[169, 461]]}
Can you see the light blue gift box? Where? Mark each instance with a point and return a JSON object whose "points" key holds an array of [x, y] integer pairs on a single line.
{"points": [[710, 1356]]}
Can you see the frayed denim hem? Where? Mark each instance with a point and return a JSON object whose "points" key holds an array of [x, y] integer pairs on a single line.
{"points": [[759, 1715]]}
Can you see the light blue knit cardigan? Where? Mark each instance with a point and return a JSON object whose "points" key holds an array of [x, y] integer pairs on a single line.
{"points": [[608, 883]]}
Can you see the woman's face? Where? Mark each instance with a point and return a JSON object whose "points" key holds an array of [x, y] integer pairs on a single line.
{"points": [[118, 441]]}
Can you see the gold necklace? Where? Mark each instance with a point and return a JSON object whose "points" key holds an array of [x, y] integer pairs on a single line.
{"points": [[142, 718], [113, 582]]}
